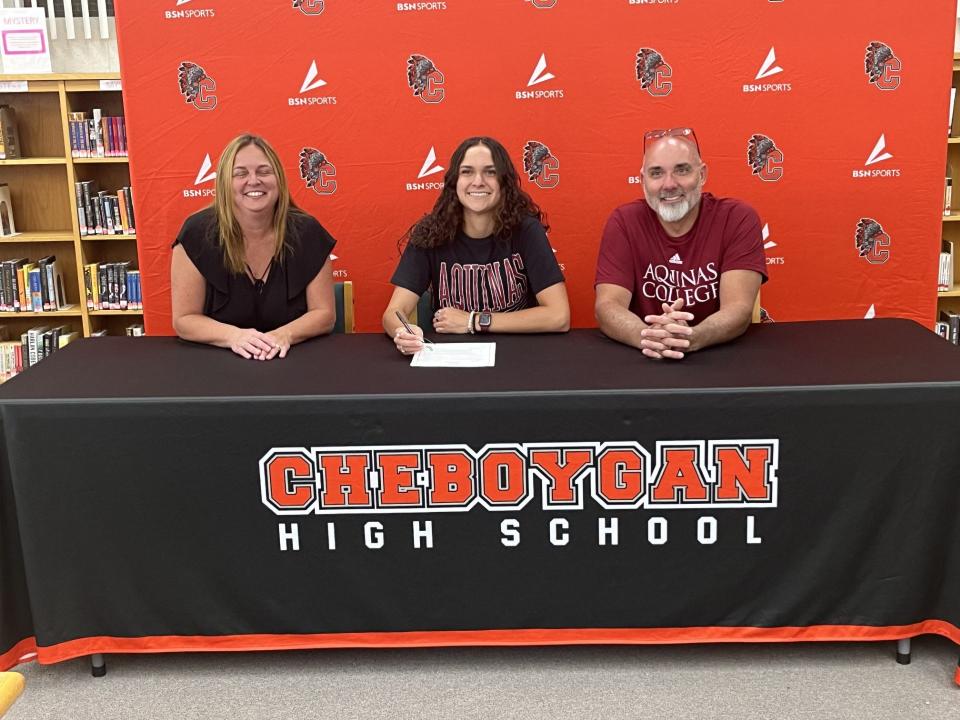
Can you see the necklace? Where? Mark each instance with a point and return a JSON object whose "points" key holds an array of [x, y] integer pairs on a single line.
{"points": [[258, 281]]}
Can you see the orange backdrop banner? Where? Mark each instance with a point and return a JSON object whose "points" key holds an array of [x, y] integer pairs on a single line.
{"points": [[829, 118]]}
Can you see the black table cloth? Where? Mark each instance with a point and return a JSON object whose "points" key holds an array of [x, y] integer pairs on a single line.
{"points": [[800, 483]]}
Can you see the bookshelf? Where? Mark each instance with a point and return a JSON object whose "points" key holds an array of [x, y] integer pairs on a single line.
{"points": [[43, 194], [950, 299]]}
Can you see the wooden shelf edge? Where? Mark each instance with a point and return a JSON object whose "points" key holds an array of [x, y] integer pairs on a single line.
{"points": [[952, 292], [46, 313], [38, 237], [108, 160], [6, 77], [101, 313], [35, 161], [108, 237]]}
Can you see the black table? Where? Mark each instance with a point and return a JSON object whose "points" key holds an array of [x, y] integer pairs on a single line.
{"points": [[799, 484]]}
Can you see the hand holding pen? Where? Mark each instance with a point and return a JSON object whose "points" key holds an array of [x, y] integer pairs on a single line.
{"points": [[409, 338]]}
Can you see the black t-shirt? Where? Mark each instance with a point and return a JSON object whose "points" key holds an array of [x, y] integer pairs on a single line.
{"points": [[232, 298], [485, 274]]}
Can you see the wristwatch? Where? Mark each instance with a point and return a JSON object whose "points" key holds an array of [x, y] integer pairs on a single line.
{"points": [[483, 322]]}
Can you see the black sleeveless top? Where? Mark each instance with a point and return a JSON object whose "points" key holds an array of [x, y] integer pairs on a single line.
{"points": [[233, 298]]}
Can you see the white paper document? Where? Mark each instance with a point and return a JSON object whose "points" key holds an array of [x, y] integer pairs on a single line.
{"points": [[456, 355]]}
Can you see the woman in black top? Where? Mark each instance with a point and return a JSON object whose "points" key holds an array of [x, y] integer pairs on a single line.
{"points": [[484, 252], [252, 272]]}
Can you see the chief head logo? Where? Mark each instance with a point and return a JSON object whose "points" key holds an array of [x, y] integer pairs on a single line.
{"points": [[425, 79], [765, 316], [651, 71], [882, 66], [541, 165], [764, 158], [309, 7], [872, 242], [317, 171], [543, 4], [196, 86]]}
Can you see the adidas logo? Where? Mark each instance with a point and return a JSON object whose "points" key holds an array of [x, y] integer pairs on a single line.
{"points": [[676, 259]]}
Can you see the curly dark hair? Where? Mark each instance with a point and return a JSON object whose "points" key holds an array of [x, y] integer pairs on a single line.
{"points": [[440, 226]]}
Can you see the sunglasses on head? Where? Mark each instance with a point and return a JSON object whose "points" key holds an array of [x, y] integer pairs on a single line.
{"points": [[684, 133]]}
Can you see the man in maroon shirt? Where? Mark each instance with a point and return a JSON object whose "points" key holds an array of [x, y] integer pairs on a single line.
{"points": [[680, 270]]}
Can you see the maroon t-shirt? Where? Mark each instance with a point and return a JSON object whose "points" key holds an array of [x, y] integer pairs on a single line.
{"points": [[637, 254]]}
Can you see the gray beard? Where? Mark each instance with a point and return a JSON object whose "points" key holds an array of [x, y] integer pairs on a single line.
{"points": [[674, 212]]}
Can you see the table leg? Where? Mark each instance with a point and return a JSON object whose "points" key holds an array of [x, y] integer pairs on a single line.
{"points": [[903, 651], [97, 665]]}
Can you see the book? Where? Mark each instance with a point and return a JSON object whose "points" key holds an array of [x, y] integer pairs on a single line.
{"points": [[90, 286], [35, 344], [7, 224], [953, 100], [26, 299], [945, 278], [36, 290], [128, 194], [67, 338], [952, 321], [9, 138], [46, 281]]}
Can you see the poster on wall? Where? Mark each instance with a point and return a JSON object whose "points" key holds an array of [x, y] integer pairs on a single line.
{"points": [[825, 118], [24, 47]]}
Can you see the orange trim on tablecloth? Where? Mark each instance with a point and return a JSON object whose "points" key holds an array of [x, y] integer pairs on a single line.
{"points": [[23, 651], [440, 638]]}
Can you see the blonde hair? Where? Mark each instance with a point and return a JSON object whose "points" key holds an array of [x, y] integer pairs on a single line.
{"points": [[230, 233]]}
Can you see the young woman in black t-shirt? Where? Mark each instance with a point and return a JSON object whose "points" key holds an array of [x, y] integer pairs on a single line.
{"points": [[252, 272], [483, 251]]}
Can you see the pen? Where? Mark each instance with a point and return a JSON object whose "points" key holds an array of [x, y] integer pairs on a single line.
{"points": [[409, 329]]}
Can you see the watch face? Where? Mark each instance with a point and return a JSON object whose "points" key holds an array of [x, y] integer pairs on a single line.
{"points": [[485, 319]]}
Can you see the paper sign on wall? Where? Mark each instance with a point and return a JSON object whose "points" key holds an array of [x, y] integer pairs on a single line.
{"points": [[23, 41]]}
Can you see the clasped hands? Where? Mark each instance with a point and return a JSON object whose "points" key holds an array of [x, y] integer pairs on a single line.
{"points": [[445, 320], [668, 335], [255, 345]]}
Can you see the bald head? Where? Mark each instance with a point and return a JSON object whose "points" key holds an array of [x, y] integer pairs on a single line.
{"points": [[671, 148], [673, 175]]}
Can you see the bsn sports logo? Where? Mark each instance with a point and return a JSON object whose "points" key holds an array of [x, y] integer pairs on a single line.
{"points": [[425, 79], [541, 165], [768, 68], [539, 75], [317, 171], [764, 158], [651, 70], [879, 154], [543, 4], [204, 175], [429, 167], [196, 86], [312, 81], [882, 66], [872, 242], [309, 7], [769, 244], [188, 13]]}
